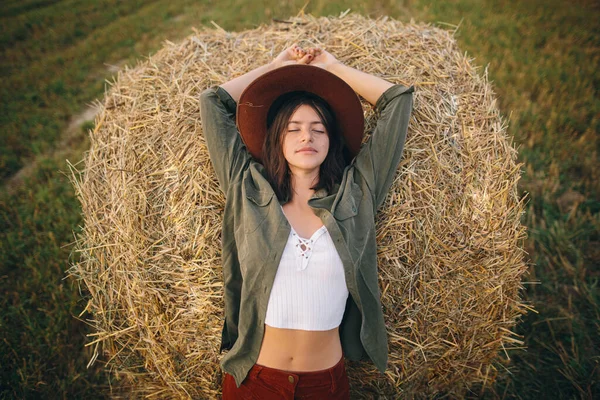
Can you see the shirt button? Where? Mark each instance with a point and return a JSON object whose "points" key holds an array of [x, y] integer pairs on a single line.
{"points": [[291, 379]]}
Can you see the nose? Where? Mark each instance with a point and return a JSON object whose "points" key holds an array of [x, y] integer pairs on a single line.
{"points": [[307, 135]]}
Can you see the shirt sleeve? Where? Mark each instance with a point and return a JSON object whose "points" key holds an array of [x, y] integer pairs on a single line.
{"points": [[227, 152], [379, 157]]}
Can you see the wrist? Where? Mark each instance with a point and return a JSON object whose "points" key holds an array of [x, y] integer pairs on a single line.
{"points": [[335, 67], [273, 65]]}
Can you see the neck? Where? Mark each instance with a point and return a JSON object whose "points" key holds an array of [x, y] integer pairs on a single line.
{"points": [[302, 181]]}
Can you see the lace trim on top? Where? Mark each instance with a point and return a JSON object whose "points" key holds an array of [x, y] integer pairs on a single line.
{"points": [[304, 247]]}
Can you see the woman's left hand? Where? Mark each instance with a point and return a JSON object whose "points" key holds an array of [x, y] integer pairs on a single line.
{"points": [[292, 55]]}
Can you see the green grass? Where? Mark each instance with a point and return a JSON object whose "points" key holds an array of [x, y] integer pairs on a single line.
{"points": [[54, 58]]}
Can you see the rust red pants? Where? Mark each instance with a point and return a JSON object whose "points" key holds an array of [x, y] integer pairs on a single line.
{"points": [[266, 383]]}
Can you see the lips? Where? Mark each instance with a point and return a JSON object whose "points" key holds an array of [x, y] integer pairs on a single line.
{"points": [[306, 150]]}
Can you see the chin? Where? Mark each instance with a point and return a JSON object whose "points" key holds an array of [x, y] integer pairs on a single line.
{"points": [[306, 165]]}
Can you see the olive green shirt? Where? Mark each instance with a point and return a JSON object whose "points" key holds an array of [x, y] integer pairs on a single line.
{"points": [[255, 230]]}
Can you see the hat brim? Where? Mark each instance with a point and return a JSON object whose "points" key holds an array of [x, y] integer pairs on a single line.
{"points": [[259, 95]]}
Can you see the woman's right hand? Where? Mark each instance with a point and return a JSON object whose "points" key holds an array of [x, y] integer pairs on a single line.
{"points": [[321, 58]]}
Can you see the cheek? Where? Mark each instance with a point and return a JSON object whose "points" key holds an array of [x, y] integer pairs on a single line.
{"points": [[287, 147], [326, 142]]}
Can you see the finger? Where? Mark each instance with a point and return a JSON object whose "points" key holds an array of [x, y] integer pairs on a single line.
{"points": [[293, 50], [307, 58]]}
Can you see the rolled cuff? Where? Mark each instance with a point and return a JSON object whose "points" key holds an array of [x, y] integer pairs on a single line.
{"points": [[226, 99], [391, 93]]}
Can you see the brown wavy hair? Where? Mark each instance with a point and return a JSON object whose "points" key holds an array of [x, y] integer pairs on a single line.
{"points": [[276, 166]]}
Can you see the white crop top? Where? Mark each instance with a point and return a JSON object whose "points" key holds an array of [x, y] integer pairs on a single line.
{"points": [[309, 291]]}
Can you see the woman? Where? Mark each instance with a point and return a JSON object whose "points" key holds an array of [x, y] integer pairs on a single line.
{"points": [[299, 248]]}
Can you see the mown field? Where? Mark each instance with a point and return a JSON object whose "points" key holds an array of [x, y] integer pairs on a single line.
{"points": [[55, 56]]}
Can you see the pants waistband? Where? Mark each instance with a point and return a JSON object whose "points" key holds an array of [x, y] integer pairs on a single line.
{"points": [[301, 378]]}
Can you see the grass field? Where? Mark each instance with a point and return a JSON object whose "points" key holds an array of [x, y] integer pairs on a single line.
{"points": [[55, 55]]}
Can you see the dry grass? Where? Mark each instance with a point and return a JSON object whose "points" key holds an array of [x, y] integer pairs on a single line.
{"points": [[449, 235]]}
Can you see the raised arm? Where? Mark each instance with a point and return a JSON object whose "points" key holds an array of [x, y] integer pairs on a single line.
{"points": [[380, 156], [292, 55], [370, 87], [218, 106]]}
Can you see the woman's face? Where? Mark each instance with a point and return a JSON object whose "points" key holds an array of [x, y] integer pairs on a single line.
{"points": [[306, 141]]}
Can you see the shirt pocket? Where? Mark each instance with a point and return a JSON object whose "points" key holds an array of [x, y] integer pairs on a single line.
{"points": [[253, 234], [349, 205], [256, 209], [352, 215], [255, 240]]}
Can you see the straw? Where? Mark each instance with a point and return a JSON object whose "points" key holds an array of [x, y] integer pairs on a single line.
{"points": [[450, 242]]}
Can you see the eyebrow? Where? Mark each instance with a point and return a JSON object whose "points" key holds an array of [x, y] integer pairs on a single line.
{"points": [[299, 122]]}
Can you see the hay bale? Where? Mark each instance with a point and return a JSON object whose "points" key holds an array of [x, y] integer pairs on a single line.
{"points": [[449, 237]]}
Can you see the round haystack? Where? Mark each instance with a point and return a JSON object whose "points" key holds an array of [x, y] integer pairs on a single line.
{"points": [[449, 234]]}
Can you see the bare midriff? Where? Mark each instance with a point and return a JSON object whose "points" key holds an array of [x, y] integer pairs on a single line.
{"points": [[299, 350]]}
